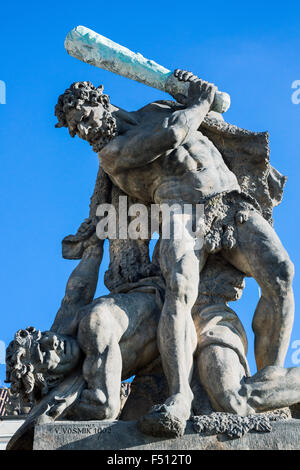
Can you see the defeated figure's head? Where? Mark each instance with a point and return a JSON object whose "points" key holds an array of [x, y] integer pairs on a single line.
{"points": [[37, 361], [85, 111]]}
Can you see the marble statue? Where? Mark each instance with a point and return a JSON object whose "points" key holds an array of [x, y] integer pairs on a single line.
{"points": [[158, 155], [167, 317]]}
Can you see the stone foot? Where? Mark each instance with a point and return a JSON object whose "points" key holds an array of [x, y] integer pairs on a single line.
{"points": [[167, 420]]}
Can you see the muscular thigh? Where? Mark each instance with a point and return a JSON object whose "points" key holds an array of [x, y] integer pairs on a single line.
{"points": [[126, 311], [129, 319], [138, 344], [259, 252], [181, 256]]}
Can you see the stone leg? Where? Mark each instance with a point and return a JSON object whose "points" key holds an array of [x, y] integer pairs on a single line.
{"points": [[99, 336], [273, 387], [229, 390], [222, 376], [176, 331], [118, 337], [260, 254]]}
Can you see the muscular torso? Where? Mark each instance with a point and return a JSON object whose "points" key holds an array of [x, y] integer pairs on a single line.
{"points": [[192, 172]]}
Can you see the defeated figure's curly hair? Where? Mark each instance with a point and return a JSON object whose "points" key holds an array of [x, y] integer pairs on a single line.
{"points": [[79, 96], [25, 381]]}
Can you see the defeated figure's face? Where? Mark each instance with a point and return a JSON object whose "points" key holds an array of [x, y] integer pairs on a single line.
{"points": [[55, 353]]}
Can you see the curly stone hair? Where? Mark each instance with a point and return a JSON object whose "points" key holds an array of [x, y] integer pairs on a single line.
{"points": [[79, 96], [20, 371]]}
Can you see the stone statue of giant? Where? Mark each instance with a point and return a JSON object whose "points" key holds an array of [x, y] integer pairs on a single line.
{"points": [[171, 312]]}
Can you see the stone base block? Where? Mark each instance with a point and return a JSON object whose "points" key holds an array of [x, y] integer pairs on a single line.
{"points": [[8, 426], [124, 435]]}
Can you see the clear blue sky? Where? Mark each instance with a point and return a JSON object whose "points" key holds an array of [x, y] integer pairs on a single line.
{"points": [[249, 49]]}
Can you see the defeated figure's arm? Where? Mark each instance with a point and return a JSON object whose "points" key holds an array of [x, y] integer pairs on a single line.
{"points": [[135, 149], [80, 290]]}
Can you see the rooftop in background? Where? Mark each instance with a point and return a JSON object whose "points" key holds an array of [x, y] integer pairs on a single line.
{"points": [[11, 406]]}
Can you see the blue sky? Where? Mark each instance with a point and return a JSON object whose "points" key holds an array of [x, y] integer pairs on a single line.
{"points": [[249, 49]]}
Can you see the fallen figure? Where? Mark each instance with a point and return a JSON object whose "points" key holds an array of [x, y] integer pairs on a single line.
{"points": [[74, 371]]}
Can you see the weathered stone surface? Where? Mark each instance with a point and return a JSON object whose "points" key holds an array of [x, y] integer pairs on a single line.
{"points": [[104, 435]]}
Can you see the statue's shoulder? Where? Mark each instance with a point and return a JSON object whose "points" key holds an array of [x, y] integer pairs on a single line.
{"points": [[160, 106]]}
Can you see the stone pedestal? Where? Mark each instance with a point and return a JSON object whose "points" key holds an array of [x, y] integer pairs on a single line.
{"points": [[8, 426], [124, 435]]}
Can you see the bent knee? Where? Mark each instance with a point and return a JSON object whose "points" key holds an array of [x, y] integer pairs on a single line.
{"points": [[96, 327], [97, 318], [286, 272], [282, 279], [289, 271]]}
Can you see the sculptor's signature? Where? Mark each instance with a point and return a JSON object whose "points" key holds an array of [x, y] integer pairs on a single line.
{"points": [[86, 430]]}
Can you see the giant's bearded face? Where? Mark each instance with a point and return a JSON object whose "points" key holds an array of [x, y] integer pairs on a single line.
{"points": [[85, 110]]}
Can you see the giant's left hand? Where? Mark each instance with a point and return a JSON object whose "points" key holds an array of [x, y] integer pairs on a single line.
{"points": [[199, 90]]}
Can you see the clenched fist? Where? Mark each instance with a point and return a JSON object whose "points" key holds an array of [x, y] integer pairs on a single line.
{"points": [[199, 90]]}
